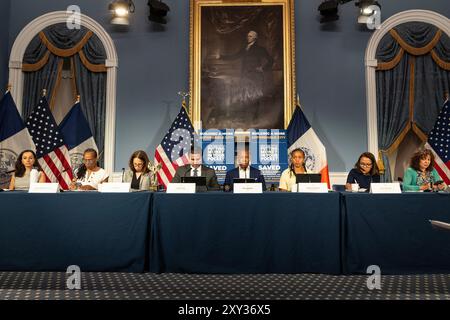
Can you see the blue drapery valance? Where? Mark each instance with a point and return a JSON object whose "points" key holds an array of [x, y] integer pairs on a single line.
{"points": [[43, 63], [413, 75]]}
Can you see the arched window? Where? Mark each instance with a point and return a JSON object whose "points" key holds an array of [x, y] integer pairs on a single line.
{"points": [[46, 52], [407, 72]]}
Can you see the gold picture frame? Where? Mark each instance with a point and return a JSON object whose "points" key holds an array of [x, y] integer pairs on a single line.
{"points": [[228, 86]]}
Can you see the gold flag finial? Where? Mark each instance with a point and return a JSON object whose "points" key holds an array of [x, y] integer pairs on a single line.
{"points": [[184, 95], [297, 102], [78, 99], [9, 87]]}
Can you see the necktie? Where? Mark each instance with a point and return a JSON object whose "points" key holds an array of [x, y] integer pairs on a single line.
{"points": [[196, 172]]}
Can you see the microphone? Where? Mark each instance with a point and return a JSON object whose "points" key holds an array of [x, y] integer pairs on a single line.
{"points": [[75, 172], [10, 171], [59, 175], [123, 173], [187, 171]]}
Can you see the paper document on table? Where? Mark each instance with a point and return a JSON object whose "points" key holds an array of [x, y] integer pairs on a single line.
{"points": [[440, 224]]}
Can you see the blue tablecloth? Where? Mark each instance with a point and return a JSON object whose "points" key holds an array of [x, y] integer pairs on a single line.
{"points": [[97, 232], [393, 232], [228, 233]]}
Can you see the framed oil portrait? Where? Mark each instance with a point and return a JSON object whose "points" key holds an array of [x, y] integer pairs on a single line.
{"points": [[242, 64]]}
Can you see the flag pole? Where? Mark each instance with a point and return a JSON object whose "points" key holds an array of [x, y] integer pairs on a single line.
{"points": [[78, 99], [446, 96], [44, 92], [9, 87]]}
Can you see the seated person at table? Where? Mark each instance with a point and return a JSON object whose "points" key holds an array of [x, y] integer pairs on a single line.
{"points": [[243, 171], [364, 173], [421, 175], [138, 173], [196, 169], [26, 161], [297, 166], [89, 175]]}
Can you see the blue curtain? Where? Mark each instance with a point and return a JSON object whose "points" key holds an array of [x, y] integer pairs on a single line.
{"points": [[91, 86], [415, 70]]}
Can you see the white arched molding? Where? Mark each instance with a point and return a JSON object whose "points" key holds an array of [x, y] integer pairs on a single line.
{"points": [[16, 74], [371, 63]]}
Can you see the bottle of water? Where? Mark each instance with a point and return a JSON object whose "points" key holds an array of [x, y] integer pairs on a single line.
{"points": [[34, 176]]}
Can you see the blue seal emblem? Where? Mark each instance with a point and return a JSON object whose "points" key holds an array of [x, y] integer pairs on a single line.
{"points": [[310, 159], [8, 160]]}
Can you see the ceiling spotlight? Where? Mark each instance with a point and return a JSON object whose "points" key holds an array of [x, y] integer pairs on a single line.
{"points": [[158, 11], [120, 10], [369, 11], [329, 10]]}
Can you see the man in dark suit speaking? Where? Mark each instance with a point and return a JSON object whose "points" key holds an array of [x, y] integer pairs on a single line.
{"points": [[196, 169], [243, 171]]}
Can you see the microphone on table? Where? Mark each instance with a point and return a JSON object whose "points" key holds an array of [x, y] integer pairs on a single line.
{"points": [[185, 174], [10, 171], [60, 174], [188, 171], [123, 173]]}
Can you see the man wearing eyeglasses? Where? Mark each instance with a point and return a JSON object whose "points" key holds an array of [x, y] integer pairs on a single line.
{"points": [[89, 175]]}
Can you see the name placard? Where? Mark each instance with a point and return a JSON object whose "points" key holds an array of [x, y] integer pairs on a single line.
{"points": [[319, 187], [116, 177], [114, 187], [393, 187], [181, 188], [247, 188], [43, 188]]}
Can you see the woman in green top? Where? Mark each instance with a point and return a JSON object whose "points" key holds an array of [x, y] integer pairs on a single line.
{"points": [[421, 175]]}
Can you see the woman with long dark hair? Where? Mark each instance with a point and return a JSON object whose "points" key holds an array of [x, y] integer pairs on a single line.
{"points": [[364, 173], [26, 161], [138, 173]]}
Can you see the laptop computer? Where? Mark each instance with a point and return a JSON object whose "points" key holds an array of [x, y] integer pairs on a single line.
{"points": [[308, 178], [200, 182]]}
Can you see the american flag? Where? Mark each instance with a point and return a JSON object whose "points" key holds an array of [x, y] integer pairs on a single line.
{"points": [[173, 151], [51, 151], [439, 141]]}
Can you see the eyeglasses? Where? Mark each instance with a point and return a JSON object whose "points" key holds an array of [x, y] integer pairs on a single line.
{"points": [[89, 160], [367, 165], [138, 164]]}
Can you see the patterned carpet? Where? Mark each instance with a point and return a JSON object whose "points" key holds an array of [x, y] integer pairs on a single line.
{"points": [[148, 286]]}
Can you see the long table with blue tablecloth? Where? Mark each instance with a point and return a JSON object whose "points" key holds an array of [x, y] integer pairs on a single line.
{"points": [[393, 232], [97, 232], [329, 233], [246, 233]]}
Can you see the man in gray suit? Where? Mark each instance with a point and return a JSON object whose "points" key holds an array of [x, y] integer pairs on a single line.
{"points": [[196, 169]]}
